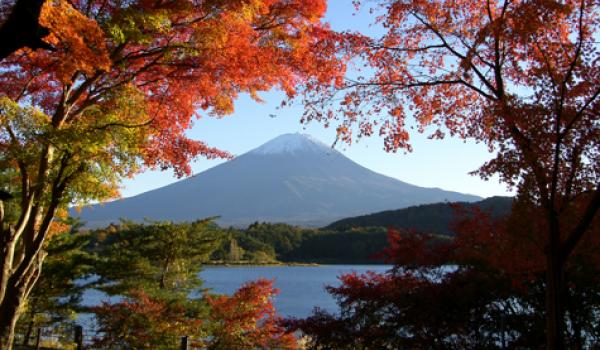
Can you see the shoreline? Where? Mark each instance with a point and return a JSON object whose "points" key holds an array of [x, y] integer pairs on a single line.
{"points": [[253, 263], [280, 263]]}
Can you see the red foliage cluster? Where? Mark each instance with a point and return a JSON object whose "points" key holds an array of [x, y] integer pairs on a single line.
{"points": [[247, 319], [183, 56], [521, 77], [482, 289], [142, 322]]}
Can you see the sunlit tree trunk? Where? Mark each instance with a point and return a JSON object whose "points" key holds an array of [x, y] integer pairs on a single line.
{"points": [[18, 289], [22, 241]]}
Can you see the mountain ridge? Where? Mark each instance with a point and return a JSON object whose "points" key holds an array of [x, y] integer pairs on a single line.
{"points": [[292, 179], [431, 218]]}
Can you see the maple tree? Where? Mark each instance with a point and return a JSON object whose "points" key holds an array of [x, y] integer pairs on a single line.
{"points": [[520, 76], [143, 322], [482, 290], [116, 94], [247, 320]]}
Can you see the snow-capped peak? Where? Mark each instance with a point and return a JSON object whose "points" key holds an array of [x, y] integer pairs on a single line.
{"points": [[292, 143]]}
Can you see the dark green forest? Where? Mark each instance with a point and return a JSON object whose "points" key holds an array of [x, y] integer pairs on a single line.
{"points": [[433, 218], [348, 241], [265, 242]]}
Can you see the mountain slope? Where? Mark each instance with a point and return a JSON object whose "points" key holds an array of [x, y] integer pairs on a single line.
{"points": [[292, 179], [432, 218]]}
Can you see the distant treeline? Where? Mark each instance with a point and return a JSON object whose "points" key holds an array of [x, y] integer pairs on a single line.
{"points": [[351, 240], [348, 241], [265, 242]]}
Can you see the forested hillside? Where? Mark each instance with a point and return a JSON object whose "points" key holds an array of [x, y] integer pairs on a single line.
{"points": [[352, 240], [434, 218], [268, 243]]}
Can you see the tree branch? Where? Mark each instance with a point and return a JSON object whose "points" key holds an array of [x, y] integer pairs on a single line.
{"points": [[123, 125], [584, 223], [580, 112], [409, 49], [423, 84], [456, 53]]}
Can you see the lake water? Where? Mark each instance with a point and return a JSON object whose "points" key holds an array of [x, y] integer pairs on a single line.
{"points": [[302, 288]]}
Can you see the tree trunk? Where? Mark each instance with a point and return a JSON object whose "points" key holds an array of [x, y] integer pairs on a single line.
{"points": [[10, 309], [29, 331], [19, 287], [554, 294]]}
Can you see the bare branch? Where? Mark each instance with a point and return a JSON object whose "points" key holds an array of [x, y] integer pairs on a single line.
{"points": [[580, 112], [449, 47], [423, 84], [409, 49], [584, 224]]}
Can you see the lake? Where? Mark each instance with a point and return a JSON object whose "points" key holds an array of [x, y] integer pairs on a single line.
{"points": [[301, 287]]}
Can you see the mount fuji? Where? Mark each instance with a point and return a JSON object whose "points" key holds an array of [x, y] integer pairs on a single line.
{"points": [[293, 179]]}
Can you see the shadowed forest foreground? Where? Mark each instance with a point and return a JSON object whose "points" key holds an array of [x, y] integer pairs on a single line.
{"points": [[481, 288]]}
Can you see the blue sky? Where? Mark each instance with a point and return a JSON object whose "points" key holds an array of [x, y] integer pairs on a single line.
{"points": [[444, 164]]}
